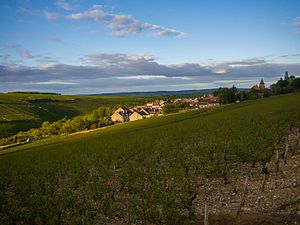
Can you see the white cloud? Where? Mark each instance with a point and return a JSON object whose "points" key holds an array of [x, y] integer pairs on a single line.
{"points": [[232, 81], [219, 70], [163, 31], [150, 77], [117, 59], [53, 82], [122, 24], [225, 67], [65, 5], [94, 13], [247, 62], [141, 77]]}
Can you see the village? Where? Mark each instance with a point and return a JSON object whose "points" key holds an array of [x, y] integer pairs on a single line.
{"points": [[123, 114]]}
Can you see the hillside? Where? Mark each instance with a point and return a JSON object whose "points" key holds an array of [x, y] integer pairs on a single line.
{"points": [[23, 111], [160, 93], [156, 171]]}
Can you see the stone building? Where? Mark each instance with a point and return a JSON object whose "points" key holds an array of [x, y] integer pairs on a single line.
{"points": [[260, 87], [136, 116], [120, 115]]}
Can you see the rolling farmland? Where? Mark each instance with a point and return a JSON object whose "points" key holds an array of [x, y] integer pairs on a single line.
{"points": [[20, 112], [139, 172]]}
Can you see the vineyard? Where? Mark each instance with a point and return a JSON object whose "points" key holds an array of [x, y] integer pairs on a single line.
{"points": [[143, 172], [21, 112]]}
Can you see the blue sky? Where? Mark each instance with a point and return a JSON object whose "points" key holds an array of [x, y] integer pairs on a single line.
{"points": [[76, 46]]}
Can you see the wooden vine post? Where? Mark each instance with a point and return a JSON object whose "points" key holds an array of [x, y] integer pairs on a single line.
{"points": [[265, 170], [243, 197], [205, 215], [277, 161], [286, 153]]}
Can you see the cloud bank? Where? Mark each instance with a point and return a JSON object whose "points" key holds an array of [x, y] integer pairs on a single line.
{"points": [[115, 72]]}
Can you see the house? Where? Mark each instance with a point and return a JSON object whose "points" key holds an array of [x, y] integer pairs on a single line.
{"points": [[154, 111], [213, 100], [137, 116], [208, 101], [144, 111], [154, 105], [163, 102], [120, 115], [183, 100], [121, 109]]}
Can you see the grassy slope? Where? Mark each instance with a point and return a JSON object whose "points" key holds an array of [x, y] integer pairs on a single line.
{"points": [[44, 179], [20, 112]]}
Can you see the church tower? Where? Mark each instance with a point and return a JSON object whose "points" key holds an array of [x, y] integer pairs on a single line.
{"points": [[262, 85]]}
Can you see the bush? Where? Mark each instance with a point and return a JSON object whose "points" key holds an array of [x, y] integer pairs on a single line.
{"points": [[175, 107]]}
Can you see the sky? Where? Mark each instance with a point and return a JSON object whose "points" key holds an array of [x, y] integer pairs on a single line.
{"points": [[88, 47]]}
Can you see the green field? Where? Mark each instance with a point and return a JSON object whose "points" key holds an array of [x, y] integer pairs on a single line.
{"points": [[142, 172], [20, 112]]}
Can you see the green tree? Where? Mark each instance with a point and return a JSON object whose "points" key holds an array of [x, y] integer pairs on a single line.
{"points": [[282, 83], [295, 84], [175, 107], [227, 95]]}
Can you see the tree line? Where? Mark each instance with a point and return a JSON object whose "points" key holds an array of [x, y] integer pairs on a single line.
{"points": [[286, 84]]}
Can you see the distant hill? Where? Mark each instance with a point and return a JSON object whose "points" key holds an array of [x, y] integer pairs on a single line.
{"points": [[159, 93], [33, 92], [163, 93]]}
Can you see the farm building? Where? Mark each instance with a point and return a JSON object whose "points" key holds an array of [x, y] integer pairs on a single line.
{"points": [[138, 116], [120, 115]]}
